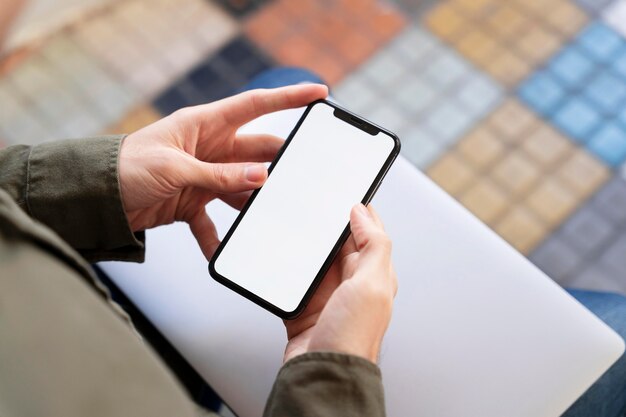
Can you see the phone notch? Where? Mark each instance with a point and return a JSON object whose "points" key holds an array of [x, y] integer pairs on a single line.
{"points": [[356, 122]]}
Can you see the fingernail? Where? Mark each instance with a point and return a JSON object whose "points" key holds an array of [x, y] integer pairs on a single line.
{"points": [[255, 173], [363, 211]]}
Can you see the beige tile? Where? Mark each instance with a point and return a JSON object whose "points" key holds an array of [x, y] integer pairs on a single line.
{"points": [[507, 67], [451, 173], [512, 121], [507, 20], [480, 148], [583, 173], [445, 21], [485, 200], [515, 173], [552, 201], [546, 146], [537, 44], [136, 119], [521, 229], [476, 8], [566, 17], [537, 7], [477, 45]]}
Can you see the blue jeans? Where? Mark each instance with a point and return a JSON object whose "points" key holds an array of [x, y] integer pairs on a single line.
{"points": [[607, 397]]}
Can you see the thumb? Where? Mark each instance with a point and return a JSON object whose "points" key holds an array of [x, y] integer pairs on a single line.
{"points": [[226, 178], [370, 238]]}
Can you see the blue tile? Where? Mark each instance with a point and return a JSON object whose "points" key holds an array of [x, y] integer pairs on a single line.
{"points": [[609, 144], [541, 92], [577, 119], [622, 117], [571, 67], [600, 41], [606, 90], [619, 63], [170, 101]]}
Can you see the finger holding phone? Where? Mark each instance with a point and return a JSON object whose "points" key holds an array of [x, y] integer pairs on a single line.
{"points": [[172, 168]]}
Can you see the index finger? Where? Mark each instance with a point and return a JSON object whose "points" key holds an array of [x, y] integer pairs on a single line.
{"points": [[247, 106]]}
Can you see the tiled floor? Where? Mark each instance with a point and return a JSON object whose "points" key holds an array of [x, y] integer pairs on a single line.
{"points": [[516, 107]]}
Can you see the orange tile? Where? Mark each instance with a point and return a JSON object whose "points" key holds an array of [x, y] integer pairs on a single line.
{"points": [[451, 173], [445, 21], [296, 50], [485, 200], [537, 44], [507, 67], [521, 229], [515, 173], [566, 18], [328, 28], [329, 68], [480, 148], [512, 121], [478, 46], [385, 23], [506, 21], [546, 146], [583, 173], [355, 47], [301, 9], [552, 201], [268, 25], [359, 9]]}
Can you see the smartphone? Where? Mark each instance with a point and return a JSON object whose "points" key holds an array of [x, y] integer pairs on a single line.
{"points": [[285, 238]]}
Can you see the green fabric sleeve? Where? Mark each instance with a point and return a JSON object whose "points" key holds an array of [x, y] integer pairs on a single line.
{"points": [[327, 384], [72, 186]]}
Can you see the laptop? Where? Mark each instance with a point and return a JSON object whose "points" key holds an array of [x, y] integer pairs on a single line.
{"points": [[477, 329]]}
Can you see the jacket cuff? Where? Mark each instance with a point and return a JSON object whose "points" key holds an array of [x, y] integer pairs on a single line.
{"points": [[73, 188], [327, 384]]}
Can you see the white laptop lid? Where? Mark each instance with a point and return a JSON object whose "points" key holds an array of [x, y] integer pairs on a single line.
{"points": [[477, 329]]}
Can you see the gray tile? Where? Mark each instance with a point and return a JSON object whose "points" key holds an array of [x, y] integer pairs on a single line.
{"points": [[415, 95], [448, 121], [615, 256], [414, 44], [555, 258], [384, 69], [595, 277], [586, 230], [445, 69], [478, 94], [419, 146], [388, 117], [593, 6], [610, 201]]}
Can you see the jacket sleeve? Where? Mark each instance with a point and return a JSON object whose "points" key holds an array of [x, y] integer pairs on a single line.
{"points": [[327, 384], [72, 186]]}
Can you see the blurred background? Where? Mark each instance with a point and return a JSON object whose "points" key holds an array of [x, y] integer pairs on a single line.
{"points": [[516, 107]]}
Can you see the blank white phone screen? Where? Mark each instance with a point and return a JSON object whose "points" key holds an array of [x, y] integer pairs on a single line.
{"points": [[297, 217]]}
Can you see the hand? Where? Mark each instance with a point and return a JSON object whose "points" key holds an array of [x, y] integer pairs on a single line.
{"points": [[350, 311], [172, 168]]}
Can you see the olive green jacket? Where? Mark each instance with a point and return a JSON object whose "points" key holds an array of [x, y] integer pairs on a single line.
{"points": [[65, 349]]}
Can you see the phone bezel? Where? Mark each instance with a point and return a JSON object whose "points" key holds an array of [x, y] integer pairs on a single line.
{"points": [[288, 315]]}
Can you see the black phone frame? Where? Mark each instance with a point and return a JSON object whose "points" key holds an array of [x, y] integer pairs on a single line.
{"points": [[356, 121]]}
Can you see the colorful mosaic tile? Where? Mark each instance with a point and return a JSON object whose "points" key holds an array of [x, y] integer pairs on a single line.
{"points": [[528, 179], [330, 38], [506, 38], [430, 96], [582, 90]]}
